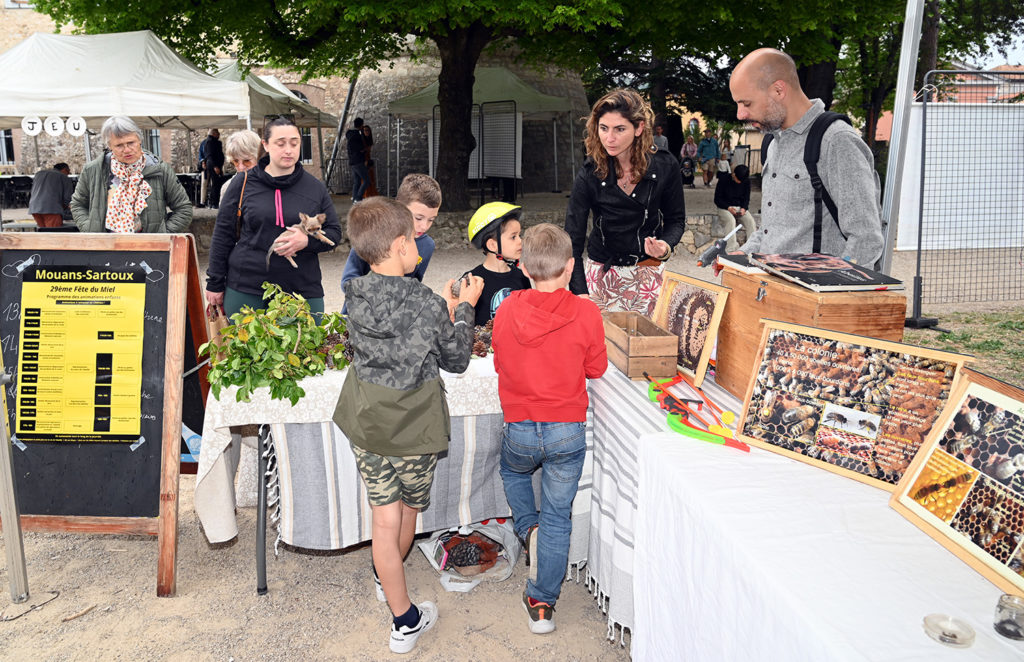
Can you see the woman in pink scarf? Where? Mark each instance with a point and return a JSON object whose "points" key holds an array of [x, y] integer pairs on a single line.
{"points": [[127, 189]]}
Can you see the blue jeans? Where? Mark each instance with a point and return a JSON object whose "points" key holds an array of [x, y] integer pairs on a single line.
{"points": [[360, 180], [559, 449]]}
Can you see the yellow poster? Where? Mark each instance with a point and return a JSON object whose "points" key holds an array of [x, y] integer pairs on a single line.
{"points": [[80, 364]]}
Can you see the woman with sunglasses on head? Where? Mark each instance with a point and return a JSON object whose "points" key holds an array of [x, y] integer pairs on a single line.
{"points": [[257, 228], [636, 197]]}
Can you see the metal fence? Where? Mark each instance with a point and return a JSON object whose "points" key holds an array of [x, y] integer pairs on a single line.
{"points": [[970, 230]]}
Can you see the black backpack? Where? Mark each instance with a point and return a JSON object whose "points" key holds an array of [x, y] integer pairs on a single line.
{"points": [[812, 151]]}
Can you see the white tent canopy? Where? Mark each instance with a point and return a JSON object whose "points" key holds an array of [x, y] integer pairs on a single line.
{"points": [[266, 98], [127, 73], [491, 84]]}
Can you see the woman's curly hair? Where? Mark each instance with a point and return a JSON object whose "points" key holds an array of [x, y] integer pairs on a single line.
{"points": [[632, 106]]}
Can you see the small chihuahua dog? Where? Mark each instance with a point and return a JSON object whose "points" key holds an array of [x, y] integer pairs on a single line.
{"points": [[310, 226]]}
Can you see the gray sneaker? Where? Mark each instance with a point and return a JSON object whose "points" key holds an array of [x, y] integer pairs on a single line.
{"points": [[403, 639]]}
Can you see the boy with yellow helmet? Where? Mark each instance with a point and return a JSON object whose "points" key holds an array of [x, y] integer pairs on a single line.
{"points": [[494, 228]]}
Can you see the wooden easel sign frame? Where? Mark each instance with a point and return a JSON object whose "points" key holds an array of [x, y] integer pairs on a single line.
{"points": [[965, 488], [691, 309], [856, 406], [95, 323]]}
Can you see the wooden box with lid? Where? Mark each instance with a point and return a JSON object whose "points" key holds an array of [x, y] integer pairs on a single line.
{"points": [[876, 314]]}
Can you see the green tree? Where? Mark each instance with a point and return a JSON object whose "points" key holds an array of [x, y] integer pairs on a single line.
{"points": [[320, 37]]}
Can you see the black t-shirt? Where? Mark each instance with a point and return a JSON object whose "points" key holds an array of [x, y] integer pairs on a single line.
{"points": [[496, 288]]}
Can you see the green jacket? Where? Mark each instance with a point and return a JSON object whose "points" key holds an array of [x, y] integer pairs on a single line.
{"points": [[89, 203]]}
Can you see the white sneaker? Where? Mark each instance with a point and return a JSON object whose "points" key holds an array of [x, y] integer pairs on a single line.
{"points": [[403, 639], [376, 585]]}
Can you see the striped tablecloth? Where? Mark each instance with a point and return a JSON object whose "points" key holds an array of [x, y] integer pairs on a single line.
{"points": [[622, 417], [323, 499]]}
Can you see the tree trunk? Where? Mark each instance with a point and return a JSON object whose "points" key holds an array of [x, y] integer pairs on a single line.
{"points": [[657, 92], [928, 57], [460, 50], [819, 81]]}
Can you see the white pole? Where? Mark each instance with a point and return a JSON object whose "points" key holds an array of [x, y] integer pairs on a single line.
{"points": [[900, 126]]}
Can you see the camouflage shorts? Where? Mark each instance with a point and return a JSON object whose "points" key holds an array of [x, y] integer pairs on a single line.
{"points": [[389, 478]]}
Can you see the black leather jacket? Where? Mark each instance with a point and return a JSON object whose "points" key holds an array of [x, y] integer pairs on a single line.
{"points": [[621, 222]]}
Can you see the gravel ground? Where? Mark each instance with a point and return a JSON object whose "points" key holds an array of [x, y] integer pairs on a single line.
{"points": [[319, 605]]}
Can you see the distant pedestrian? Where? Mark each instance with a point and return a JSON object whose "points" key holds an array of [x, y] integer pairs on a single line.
{"points": [[689, 150], [660, 140], [51, 196], [214, 166], [732, 198], [707, 155], [357, 159]]}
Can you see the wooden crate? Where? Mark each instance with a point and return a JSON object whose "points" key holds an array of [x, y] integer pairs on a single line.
{"points": [[637, 345], [755, 296]]}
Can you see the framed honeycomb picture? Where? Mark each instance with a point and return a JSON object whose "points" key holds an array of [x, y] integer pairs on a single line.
{"points": [[966, 486], [691, 309], [856, 406]]}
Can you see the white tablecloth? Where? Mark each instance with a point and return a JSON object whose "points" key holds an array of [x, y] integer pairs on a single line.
{"points": [[759, 557], [622, 416]]}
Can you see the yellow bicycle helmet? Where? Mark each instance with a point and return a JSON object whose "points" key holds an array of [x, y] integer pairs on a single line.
{"points": [[489, 217]]}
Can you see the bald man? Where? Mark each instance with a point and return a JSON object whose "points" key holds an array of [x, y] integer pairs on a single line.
{"points": [[767, 93]]}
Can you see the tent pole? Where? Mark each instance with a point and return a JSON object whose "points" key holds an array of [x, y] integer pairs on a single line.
{"points": [[35, 139], [387, 141], [572, 147], [320, 144], [398, 153], [554, 139]]}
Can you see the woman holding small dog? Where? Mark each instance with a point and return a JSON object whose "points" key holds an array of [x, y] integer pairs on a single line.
{"points": [[258, 228]]}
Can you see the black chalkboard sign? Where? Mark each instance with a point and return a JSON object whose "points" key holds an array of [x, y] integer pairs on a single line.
{"points": [[92, 330], [108, 477]]}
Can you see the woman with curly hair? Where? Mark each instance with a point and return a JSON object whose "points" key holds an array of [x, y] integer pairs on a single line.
{"points": [[636, 197]]}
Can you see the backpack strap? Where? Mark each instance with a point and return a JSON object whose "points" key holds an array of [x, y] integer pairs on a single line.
{"points": [[767, 140], [812, 152]]}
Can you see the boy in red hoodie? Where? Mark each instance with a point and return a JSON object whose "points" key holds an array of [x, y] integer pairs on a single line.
{"points": [[547, 342]]}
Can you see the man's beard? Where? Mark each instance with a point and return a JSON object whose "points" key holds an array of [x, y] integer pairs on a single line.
{"points": [[774, 117]]}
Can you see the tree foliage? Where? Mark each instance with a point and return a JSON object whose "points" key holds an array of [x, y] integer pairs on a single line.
{"points": [[321, 37]]}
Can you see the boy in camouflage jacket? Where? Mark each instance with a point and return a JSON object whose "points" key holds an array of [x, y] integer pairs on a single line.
{"points": [[392, 406]]}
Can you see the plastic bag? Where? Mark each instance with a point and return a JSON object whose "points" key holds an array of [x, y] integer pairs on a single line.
{"points": [[466, 556]]}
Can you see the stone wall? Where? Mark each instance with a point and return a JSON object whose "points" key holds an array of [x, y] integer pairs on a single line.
{"points": [[407, 140]]}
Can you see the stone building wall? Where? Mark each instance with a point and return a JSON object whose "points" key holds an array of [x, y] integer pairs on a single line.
{"points": [[404, 76]]}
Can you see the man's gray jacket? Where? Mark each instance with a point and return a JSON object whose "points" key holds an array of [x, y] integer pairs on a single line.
{"points": [[847, 170]]}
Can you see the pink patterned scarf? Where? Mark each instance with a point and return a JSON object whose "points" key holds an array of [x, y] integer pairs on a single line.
{"points": [[127, 199]]}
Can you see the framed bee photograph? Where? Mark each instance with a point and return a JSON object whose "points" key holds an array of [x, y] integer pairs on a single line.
{"points": [[691, 309], [966, 487], [857, 406]]}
